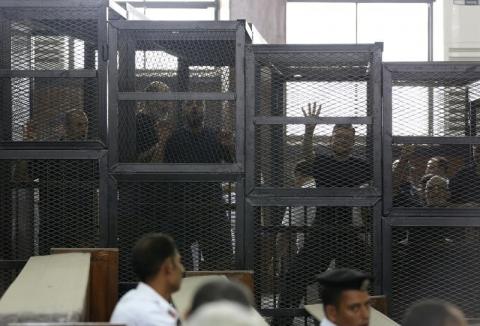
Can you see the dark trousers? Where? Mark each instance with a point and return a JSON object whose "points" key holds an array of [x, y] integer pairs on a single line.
{"points": [[337, 240], [211, 228]]}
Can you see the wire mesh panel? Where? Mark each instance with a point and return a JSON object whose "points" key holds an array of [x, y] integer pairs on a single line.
{"points": [[48, 203], [336, 80], [293, 244], [435, 262], [290, 156], [435, 103], [183, 60], [297, 88], [201, 216], [50, 69], [435, 175], [54, 109], [430, 130], [180, 78], [156, 132]]}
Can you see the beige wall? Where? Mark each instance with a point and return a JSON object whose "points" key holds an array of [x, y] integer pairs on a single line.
{"points": [[268, 16]]}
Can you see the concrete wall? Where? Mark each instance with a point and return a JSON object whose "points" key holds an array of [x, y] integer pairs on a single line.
{"points": [[268, 16]]}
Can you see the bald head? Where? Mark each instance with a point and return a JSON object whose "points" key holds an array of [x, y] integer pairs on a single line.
{"points": [[437, 192], [76, 125]]}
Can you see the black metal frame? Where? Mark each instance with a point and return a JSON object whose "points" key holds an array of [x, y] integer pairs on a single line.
{"points": [[242, 36], [375, 120], [104, 10], [276, 197], [101, 11], [417, 217], [242, 172], [164, 172]]}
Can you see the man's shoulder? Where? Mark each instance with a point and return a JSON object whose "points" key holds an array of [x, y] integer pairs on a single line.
{"points": [[138, 308]]}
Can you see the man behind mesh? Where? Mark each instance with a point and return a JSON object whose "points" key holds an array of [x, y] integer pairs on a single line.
{"points": [[198, 207], [67, 189], [465, 185], [331, 236], [154, 123]]}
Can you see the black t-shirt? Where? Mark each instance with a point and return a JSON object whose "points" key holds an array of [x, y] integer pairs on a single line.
{"points": [[183, 146], [145, 136], [329, 172]]}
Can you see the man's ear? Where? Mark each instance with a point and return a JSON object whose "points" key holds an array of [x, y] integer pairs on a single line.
{"points": [[331, 313], [167, 266]]}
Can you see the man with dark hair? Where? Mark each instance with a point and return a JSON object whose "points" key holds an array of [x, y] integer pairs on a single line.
{"points": [[332, 235], [198, 208], [223, 290], [345, 299], [434, 313], [156, 262]]}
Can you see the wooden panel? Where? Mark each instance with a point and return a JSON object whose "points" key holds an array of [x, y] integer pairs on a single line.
{"points": [[103, 280], [244, 277], [379, 302]]}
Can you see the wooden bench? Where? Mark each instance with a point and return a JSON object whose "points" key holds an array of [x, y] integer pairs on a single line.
{"points": [[71, 285], [49, 288], [103, 286]]}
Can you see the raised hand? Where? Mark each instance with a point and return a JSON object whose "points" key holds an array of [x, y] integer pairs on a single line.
{"points": [[313, 112]]}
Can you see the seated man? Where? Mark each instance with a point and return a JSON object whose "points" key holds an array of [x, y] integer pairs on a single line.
{"points": [[345, 299], [76, 125], [436, 192], [437, 165], [156, 262]]}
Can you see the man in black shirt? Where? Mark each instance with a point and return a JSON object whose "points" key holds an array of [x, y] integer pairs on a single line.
{"points": [[198, 207], [465, 185], [332, 235]]}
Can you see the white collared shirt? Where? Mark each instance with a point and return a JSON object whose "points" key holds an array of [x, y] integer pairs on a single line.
{"points": [[326, 322], [143, 306]]}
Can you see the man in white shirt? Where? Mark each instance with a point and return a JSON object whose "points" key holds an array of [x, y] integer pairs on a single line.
{"points": [[156, 262], [345, 298]]}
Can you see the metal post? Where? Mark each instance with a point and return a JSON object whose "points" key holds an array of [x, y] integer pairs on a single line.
{"points": [[430, 31], [240, 94], [5, 83], [103, 201], [102, 42]]}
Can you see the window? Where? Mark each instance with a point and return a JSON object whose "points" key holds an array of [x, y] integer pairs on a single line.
{"points": [[328, 23], [403, 27]]}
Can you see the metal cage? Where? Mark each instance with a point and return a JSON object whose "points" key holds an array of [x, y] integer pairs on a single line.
{"points": [[304, 219]]}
